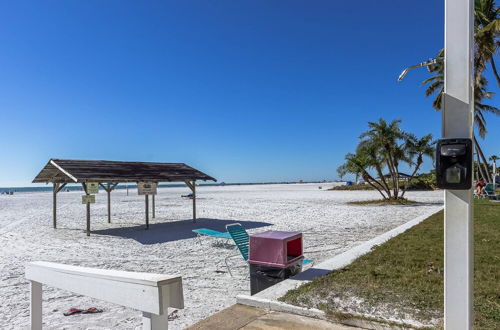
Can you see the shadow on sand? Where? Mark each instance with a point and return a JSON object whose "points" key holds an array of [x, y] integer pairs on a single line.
{"points": [[175, 230]]}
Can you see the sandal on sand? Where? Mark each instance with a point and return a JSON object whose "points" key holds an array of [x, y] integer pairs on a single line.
{"points": [[92, 310], [72, 311]]}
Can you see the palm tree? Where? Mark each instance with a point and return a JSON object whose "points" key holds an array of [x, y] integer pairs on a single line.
{"points": [[359, 164], [384, 136], [417, 149], [385, 145], [494, 159], [486, 33]]}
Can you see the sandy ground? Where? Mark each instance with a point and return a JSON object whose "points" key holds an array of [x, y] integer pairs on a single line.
{"points": [[26, 234]]}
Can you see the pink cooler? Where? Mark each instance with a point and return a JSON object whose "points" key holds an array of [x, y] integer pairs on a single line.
{"points": [[276, 249]]}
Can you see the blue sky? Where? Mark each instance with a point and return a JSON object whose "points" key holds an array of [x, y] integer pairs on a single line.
{"points": [[243, 90]]}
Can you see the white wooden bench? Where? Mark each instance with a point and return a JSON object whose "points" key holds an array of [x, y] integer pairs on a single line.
{"points": [[150, 293]]}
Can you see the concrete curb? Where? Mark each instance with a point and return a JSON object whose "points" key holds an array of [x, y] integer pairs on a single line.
{"points": [[268, 299]]}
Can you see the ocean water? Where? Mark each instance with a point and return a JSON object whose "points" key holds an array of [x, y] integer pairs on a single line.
{"points": [[74, 187]]}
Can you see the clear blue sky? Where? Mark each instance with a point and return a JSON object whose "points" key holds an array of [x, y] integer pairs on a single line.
{"points": [[243, 90]]}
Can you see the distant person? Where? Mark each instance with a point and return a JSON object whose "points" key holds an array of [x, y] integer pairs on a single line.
{"points": [[480, 184]]}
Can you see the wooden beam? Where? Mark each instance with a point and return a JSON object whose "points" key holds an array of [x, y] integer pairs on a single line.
{"points": [[104, 187], [190, 186], [61, 187], [64, 171]]}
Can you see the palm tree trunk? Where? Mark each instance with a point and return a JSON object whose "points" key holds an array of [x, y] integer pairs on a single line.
{"points": [[393, 171], [417, 167], [485, 162], [385, 185], [397, 181], [480, 169], [495, 72], [367, 179]]}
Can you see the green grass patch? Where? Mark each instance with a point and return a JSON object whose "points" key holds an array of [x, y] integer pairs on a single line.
{"points": [[404, 276], [353, 187]]}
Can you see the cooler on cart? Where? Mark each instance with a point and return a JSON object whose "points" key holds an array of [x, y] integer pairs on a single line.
{"points": [[274, 256]]}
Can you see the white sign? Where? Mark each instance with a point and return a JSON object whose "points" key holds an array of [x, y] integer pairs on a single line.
{"points": [[146, 188], [88, 199], [92, 187]]}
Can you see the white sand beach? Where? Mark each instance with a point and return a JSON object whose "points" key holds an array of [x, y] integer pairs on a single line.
{"points": [[329, 225]]}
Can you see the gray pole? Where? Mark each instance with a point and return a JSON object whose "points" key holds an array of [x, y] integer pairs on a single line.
{"points": [[109, 203], [194, 200], [154, 211], [146, 199], [54, 205], [458, 114], [88, 218]]}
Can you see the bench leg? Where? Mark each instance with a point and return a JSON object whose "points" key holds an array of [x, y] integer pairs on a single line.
{"points": [[154, 322], [36, 305]]}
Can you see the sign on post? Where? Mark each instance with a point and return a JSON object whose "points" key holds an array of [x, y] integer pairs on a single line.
{"points": [[88, 199], [92, 187], [146, 188]]}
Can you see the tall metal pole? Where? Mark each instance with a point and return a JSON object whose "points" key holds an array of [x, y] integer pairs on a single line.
{"points": [[458, 123]]}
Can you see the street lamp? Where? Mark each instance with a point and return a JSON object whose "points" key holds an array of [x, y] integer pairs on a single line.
{"points": [[419, 65]]}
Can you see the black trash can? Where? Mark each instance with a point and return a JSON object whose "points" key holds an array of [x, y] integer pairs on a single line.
{"points": [[262, 277]]}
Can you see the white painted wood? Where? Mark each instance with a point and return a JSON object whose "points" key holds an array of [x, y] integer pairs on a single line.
{"points": [[151, 293], [154, 322], [36, 305], [458, 115], [63, 170]]}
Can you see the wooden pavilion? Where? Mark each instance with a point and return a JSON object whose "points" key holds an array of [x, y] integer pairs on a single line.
{"points": [[108, 174]]}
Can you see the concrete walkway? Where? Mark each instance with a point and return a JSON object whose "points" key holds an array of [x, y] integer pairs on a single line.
{"points": [[251, 318]]}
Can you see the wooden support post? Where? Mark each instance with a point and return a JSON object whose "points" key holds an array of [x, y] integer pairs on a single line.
{"points": [[36, 305], [154, 211], [88, 209], [154, 322], [54, 204], [109, 187], [108, 192], [194, 201], [88, 219], [151, 294], [146, 199], [192, 186]]}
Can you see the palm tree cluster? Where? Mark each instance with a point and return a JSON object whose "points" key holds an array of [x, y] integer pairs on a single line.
{"points": [[494, 159], [384, 147], [487, 42]]}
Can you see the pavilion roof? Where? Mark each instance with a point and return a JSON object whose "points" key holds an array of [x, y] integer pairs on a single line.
{"points": [[79, 171]]}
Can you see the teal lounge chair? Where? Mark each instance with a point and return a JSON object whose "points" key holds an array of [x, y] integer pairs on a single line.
{"points": [[490, 191], [242, 241], [211, 233]]}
